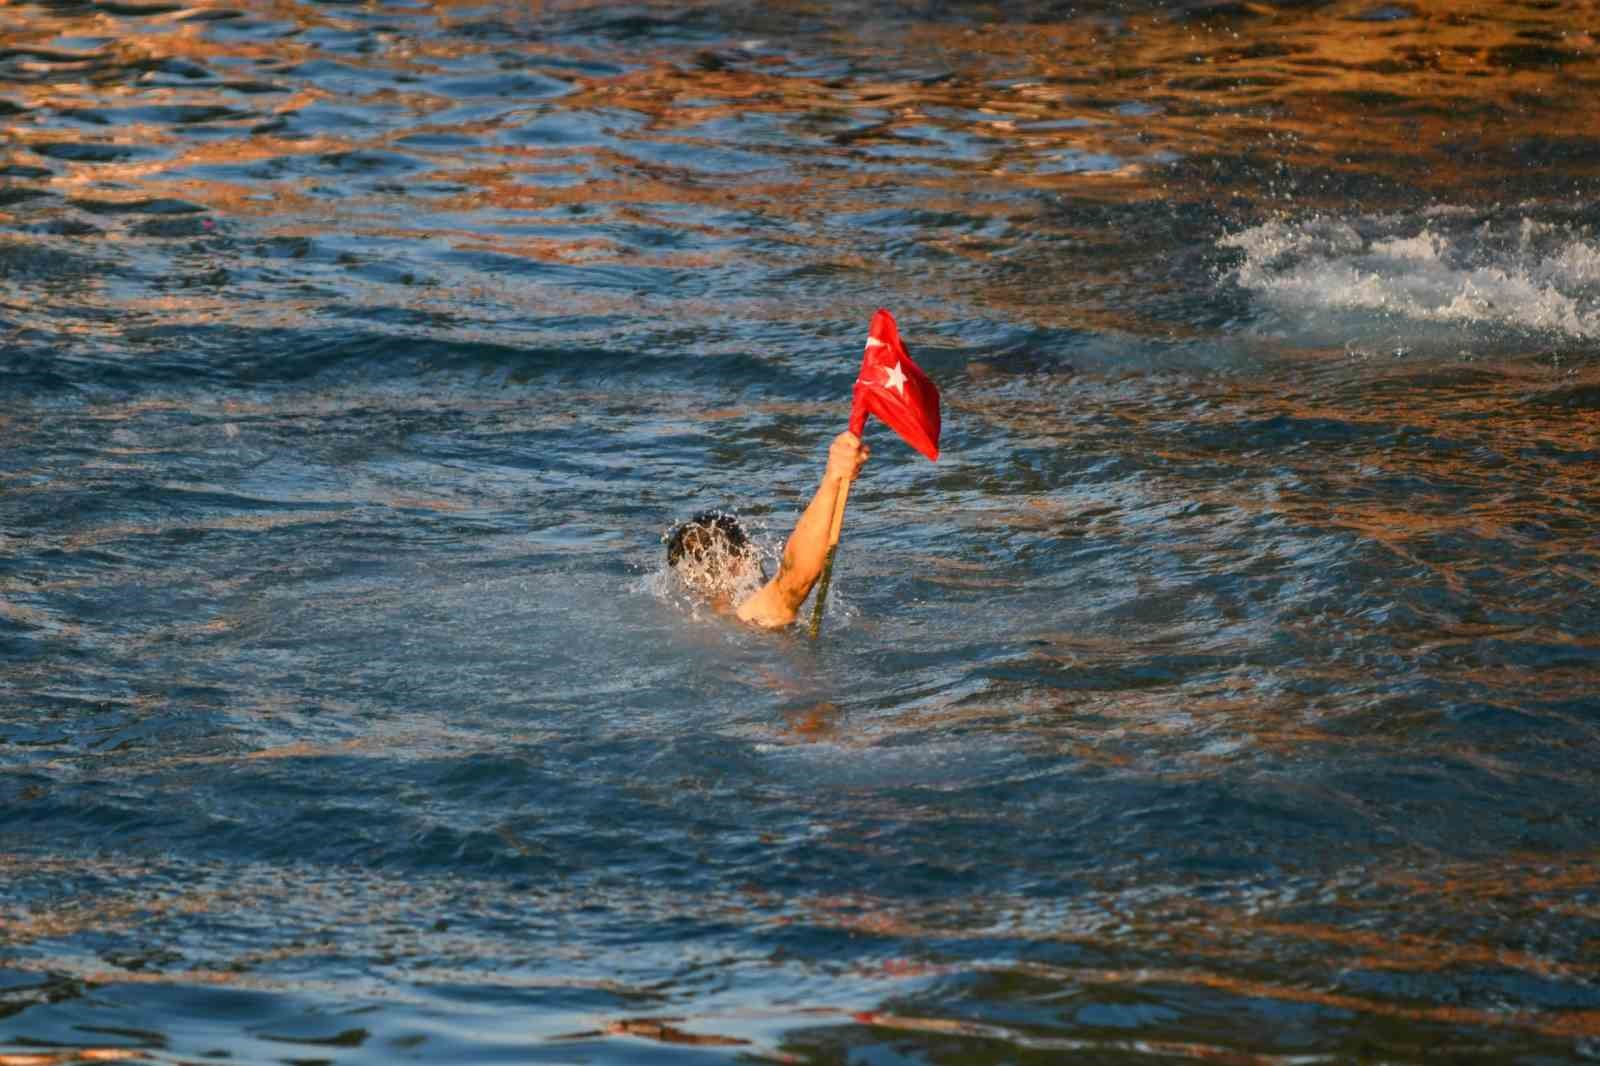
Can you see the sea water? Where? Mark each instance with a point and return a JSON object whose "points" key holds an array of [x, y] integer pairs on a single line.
{"points": [[1225, 692]]}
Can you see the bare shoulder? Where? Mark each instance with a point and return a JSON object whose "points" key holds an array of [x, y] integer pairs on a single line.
{"points": [[768, 607]]}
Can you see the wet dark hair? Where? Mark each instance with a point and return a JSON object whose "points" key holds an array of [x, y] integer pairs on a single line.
{"points": [[707, 538]]}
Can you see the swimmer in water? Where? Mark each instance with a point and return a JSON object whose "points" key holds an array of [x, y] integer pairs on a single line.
{"points": [[714, 557]]}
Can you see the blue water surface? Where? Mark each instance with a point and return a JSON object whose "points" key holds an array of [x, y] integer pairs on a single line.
{"points": [[1225, 692]]}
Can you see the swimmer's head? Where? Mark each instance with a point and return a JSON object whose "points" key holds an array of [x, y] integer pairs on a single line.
{"points": [[713, 554]]}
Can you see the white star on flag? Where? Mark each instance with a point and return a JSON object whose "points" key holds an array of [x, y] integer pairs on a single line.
{"points": [[895, 378]]}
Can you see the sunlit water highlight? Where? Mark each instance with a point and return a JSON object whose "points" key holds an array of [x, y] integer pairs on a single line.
{"points": [[1226, 691]]}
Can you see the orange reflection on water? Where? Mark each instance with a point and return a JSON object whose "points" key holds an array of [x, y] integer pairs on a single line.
{"points": [[1034, 104]]}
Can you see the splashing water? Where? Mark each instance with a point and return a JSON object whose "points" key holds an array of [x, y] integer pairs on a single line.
{"points": [[713, 572], [1446, 267]]}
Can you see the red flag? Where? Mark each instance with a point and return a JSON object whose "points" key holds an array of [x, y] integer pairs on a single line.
{"points": [[895, 389]]}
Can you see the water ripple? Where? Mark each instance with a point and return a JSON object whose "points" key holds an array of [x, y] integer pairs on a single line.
{"points": [[1223, 693]]}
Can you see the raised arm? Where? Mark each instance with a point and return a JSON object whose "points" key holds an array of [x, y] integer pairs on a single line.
{"points": [[778, 601]]}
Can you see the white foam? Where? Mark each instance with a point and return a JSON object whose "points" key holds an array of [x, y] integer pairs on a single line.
{"points": [[1576, 264], [1443, 267]]}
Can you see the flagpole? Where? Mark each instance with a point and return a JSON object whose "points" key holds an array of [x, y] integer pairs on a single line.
{"points": [[904, 399], [827, 565]]}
